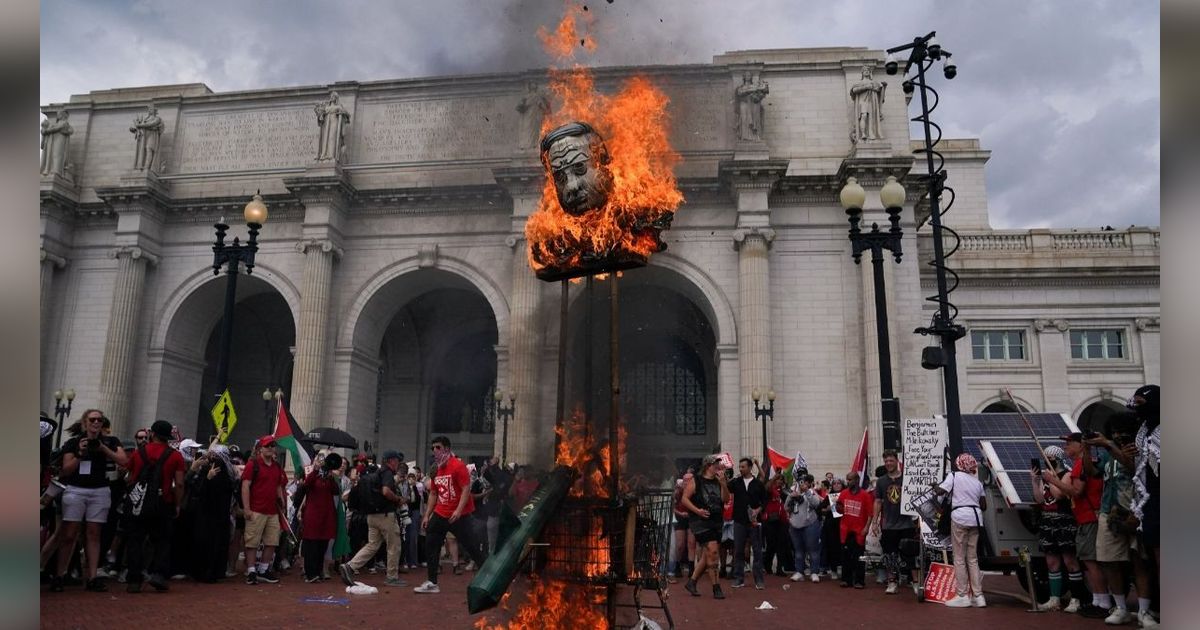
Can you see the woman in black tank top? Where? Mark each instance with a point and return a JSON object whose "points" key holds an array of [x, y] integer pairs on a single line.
{"points": [[705, 496]]}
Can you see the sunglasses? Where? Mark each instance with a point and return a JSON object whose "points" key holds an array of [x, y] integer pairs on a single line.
{"points": [[99, 419]]}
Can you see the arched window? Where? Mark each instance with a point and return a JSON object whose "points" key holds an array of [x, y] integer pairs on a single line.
{"points": [[1003, 406], [661, 397], [1095, 416]]}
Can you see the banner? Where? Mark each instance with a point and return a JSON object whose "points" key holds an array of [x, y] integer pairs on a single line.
{"points": [[939, 583], [925, 443], [224, 417]]}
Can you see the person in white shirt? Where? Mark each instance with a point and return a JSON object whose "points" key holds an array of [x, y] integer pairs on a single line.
{"points": [[966, 520]]}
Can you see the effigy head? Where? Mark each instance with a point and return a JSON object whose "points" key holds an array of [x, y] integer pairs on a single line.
{"points": [[577, 160]]}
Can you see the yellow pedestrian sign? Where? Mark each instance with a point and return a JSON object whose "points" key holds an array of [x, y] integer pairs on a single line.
{"points": [[224, 417]]}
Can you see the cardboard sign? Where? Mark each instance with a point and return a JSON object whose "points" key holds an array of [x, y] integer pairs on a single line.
{"points": [[939, 582], [726, 461], [925, 443]]}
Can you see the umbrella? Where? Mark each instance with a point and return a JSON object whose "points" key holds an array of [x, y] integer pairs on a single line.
{"points": [[330, 436]]}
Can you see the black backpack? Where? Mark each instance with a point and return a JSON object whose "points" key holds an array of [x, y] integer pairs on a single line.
{"points": [[145, 499]]}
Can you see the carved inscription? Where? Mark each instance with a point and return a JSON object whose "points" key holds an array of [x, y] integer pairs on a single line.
{"points": [[418, 131], [698, 117], [231, 141]]}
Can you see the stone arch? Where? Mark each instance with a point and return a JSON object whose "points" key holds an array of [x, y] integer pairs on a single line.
{"points": [[1000, 404], [1094, 412]]}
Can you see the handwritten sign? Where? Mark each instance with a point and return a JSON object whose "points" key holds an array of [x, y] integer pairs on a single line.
{"points": [[924, 447], [726, 461], [939, 582]]}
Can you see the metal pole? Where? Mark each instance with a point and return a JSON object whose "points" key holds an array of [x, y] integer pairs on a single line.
{"points": [[766, 457], [950, 369], [614, 417], [561, 402], [504, 444], [227, 328], [890, 406]]}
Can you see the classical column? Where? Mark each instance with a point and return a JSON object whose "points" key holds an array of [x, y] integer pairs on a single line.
{"points": [[1148, 329], [120, 344], [50, 262], [754, 329], [308, 371], [1054, 353]]}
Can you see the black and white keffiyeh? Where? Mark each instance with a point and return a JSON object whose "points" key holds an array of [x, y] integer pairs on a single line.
{"points": [[1149, 456]]}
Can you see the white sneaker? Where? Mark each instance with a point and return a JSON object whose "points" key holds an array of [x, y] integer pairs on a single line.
{"points": [[979, 602], [796, 577], [959, 601], [1119, 617], [1053, 603], [1073, 607], [1146, 620], [815, 578], [427, 587], [891, 588]]}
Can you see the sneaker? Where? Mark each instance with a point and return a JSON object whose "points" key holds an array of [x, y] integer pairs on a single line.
{"points": [[395, 582], [102, 572], [979, 602], [252, 578], [717, 593], [815, 578], [738, 584], [97, 585], [1119, 617], [1053, 603], [231, 574], [347, 573], [959, 601], [796, 577], [427, 587], [269, 577], [471, 566], [158, 583], [690, 587], [1072, 608], [56, 584], [1146, 620], [891, 588], [758, 586]]}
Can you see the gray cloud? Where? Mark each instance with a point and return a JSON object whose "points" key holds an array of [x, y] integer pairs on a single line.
{"points": [[1065, 94]]}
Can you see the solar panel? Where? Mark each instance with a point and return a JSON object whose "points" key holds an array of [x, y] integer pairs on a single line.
{"points": [[1009, 460], [1009, 425]]}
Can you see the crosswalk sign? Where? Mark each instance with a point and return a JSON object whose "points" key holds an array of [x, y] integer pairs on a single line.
{"points": [[224, 417]]}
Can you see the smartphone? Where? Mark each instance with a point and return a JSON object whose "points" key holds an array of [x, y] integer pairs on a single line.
{"points": [[1036, 464]]}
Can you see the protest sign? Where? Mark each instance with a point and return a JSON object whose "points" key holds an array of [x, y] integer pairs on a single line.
{"points": [[726, 461], [924, 452], [939, 583]]}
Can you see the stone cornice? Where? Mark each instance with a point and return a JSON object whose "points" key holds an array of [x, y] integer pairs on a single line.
{"points": [[741, 235], [326, 186], [1063, 278], [326, 246], [485, 197], [520, 180], [752, 174], [136, 253], [1148, 323], [144, 191], [873, 172]]}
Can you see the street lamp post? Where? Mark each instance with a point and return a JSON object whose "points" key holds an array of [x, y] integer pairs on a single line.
{"points": [[892, 195], [923, 52], [233, 255], [506, 413], [267, 397], [763, 414], [61, 411]]}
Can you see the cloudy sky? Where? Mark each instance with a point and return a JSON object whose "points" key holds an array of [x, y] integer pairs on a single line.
{"points": [[1064, 93]]}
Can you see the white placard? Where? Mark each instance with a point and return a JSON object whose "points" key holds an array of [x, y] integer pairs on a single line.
{"points": [[924, 450]]}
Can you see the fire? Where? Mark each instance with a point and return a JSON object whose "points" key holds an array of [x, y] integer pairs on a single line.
{"points": [[553, 604], [580, 449], [634, 123]]}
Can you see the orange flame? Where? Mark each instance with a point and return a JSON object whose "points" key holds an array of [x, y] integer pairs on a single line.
{"points": [[554, 604], [581, 449], [562, 40], [634, 124]]}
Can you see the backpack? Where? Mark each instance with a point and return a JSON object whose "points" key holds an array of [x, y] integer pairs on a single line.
{"points": [[145, 498]]}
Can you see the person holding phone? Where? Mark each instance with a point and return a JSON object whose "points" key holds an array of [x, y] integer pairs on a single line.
{"points": [[704, 496], [1056, 532]]}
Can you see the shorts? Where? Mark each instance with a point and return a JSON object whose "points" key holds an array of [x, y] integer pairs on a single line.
{"points": [[86, 504], [261, 529], [1111, 546], [705, 531], [681, 522], [1085, 541], [1056, 533], [1150, 525]]}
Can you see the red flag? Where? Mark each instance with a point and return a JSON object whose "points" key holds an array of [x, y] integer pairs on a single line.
{"points": [[779, 461], [860, 459]]}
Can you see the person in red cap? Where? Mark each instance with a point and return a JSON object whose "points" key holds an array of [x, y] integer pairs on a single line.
{"points": [[263, 483]]}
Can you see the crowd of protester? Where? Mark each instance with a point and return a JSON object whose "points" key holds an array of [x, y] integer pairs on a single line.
{"points": [[149, 512]]}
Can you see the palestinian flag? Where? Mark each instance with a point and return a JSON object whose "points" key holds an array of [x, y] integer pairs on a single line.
{"points": [[286, 431], [860, 460], [779, 462]]}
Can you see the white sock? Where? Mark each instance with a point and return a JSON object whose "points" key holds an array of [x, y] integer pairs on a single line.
{"points": [[1143, 605], [1120, 602], [1102, 600], [261, 567]]}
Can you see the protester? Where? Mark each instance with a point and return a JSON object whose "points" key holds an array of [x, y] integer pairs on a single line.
{"points": [[967, 503], [890, 524], [1056, 533], [87, 497], [855, 505], [263, 483], [416, 501], [481, 489], [704, 496], [499, 479], [1146, 451], [804, 526], [210, 493], [1084, 486], [452, 483], [153, 464], [319, 515], [749, 498], [777, 552], [831, 530], [683, 541], [380, 496]]}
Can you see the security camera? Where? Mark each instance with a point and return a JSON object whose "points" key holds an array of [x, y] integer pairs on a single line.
{"points": [[891, 66], [907, 86], [949, 69]]}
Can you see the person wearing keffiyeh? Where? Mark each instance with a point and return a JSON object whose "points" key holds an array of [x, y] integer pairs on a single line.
{"points": [[1146, 452]]}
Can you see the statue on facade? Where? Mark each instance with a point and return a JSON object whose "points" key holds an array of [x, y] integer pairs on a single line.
{"points": [[146, 130], [332, 118], [868, 96], [56, 137], [750, 95], [533, 108]]}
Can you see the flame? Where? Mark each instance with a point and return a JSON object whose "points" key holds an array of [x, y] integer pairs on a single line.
{"points": [[634, 124], [554, 604], [580, 448]]}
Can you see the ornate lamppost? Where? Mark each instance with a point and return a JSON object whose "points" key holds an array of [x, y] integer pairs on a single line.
{"points": [[923, 52], [892, 195], [233, 255], [506, 413], [763, 414], [62, 411]]}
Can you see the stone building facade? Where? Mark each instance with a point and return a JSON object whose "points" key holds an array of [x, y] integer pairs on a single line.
{"points": [[392, 296]]}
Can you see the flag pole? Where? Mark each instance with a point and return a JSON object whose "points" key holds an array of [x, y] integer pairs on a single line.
{"points": [[1029, 427]]}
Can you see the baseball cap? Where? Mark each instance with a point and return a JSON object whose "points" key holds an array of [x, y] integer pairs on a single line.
{"points": [[1072, 437], [393, 455], [266, 440]]}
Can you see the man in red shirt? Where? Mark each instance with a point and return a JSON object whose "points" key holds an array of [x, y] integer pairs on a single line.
{"points": [[448, 513], [856, 506], [1085, 485], [263, 483], [155, 526]]}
